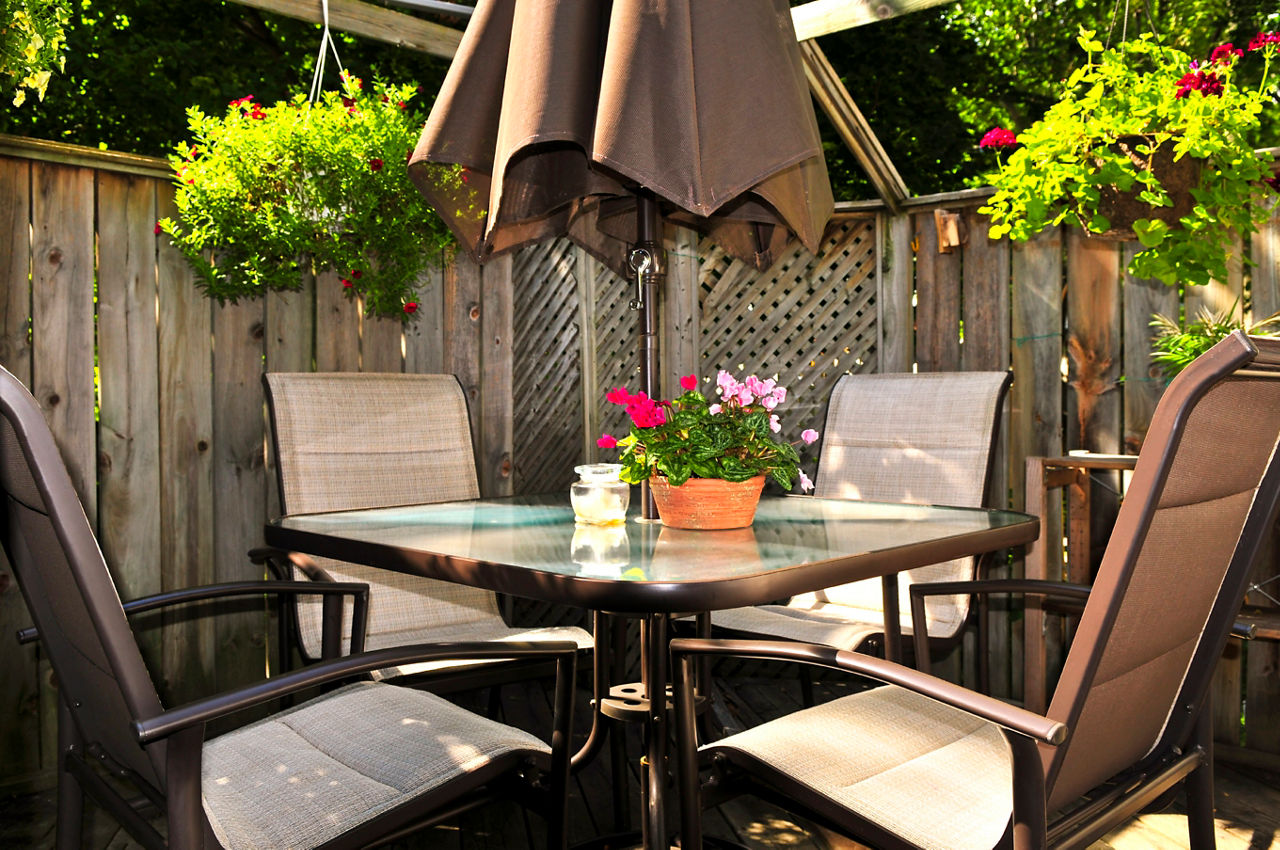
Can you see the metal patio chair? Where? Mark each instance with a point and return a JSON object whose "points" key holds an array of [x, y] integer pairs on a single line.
{"points": [[915, 438], [361, 763], [925, 763], [345, 441]]}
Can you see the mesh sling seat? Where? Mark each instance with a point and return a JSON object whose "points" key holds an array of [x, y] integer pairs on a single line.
{"points": [[345, 441], [922, 762], [358, 764], [915, 438]]}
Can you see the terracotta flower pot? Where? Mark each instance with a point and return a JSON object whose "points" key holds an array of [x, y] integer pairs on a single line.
{"points": [[707, 503], [1122, 209]]}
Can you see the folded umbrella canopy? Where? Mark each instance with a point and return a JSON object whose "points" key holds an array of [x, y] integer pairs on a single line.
{"points": [[592, 119], [557, 114]]}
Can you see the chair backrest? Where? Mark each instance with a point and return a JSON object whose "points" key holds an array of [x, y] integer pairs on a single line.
{"points": [[925, 438], [350, 440], [1202, 498], [69, 591]]}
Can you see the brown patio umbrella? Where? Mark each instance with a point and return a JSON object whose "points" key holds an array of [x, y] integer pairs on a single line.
{"points": [[556, 112], [591, 119]]}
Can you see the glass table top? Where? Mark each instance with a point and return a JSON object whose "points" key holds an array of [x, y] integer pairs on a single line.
{"points": [[531, 543]]}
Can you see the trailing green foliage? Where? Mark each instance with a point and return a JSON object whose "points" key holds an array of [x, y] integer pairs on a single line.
{"points": [[32, 40], [1063, 163], [263, 190]]}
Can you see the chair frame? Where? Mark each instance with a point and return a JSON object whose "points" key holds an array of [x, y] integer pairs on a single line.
{"points": [[449, 680], [174, 737], [891, 638], [1183, 752]]}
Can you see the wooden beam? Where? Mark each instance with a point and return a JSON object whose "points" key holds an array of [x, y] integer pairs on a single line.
{"points": [[822, 17], [371, 21], [836, 101]]}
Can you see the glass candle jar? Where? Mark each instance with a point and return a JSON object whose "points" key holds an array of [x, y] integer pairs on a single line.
{"points": [[600, 496]]}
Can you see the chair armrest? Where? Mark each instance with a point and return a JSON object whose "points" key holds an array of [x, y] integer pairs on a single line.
{"points": [[1010, 717], [201, 593], [1040, 587], [278, 561], [167, 723]]}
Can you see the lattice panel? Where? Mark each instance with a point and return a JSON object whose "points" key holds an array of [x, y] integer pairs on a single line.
{"points": [[617, 349], [547, 374], [807, 319]]}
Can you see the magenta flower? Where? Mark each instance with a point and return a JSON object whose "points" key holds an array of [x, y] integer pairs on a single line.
{"points": [[998, 137], [689, 382], [617, 395], [411, 307], [1223, 53], [607, 442], [159, 229], [1262, 39], [808, 435]]}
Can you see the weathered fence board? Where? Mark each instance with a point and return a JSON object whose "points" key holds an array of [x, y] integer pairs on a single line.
{"points": [[937, 300], [239, 485], [186, 460], [128, 403]]}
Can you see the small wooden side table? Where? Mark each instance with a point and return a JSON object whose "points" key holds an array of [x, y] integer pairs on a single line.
{"points": [[1045, 474]]}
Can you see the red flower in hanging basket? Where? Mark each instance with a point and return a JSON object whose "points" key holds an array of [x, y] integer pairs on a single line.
{"points": [[411, 307], [375, 164], [998, 137]]}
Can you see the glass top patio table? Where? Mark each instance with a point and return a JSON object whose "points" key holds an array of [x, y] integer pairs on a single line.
{"points": [[529, 546]]}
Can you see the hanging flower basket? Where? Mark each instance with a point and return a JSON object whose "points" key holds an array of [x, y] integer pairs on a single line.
{"points": [[1144, 139], [266, 194], [1177, 177]]}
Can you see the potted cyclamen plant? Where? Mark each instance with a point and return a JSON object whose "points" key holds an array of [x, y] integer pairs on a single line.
{"points": [[1145, 143], [266, 192], [706, 461]]}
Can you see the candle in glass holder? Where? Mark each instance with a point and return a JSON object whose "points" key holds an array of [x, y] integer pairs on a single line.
{"points": [[600, 496]]}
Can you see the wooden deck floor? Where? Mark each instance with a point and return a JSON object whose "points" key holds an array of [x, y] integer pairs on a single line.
{"points": [[1248, 802]]}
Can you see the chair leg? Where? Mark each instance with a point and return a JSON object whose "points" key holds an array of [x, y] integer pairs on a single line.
{"points": [[806, 687], [1199, 788], [494, 708], [70, 824]]}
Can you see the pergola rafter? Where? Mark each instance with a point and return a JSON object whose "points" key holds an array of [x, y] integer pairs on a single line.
{"points": [[813, 19]]}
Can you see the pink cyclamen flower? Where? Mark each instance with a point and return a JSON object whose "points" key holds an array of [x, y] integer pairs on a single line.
{"points": [[805, 484], [769, 402], [779, 394], [998, 137], [714, 409], [808, 435], [607, 442], [775, 425], [689, 382], [411, 307]]}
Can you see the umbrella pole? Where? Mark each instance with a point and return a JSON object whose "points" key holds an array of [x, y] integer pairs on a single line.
{"points": [[648, 261]]}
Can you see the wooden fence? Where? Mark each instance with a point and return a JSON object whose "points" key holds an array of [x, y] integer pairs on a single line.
{"points": [[154, 392]]}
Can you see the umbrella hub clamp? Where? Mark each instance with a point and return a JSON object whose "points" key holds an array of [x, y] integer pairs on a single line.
{"points": [[648, 263]]}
